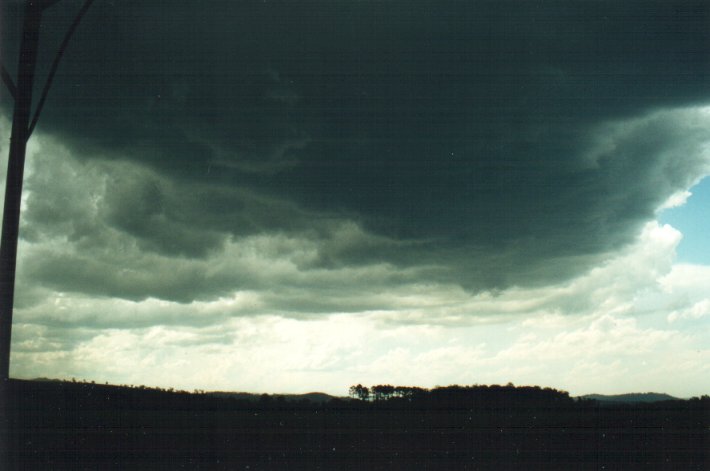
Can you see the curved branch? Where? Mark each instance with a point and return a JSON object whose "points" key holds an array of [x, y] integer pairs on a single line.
{"points": [[9, 83], [55, 64]]}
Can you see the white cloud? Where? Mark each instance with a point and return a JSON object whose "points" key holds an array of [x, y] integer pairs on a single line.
{"points": [[675, 200], [587, 335], [696, 311], [686, 279]]}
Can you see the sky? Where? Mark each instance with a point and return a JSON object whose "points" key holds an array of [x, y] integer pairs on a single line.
{"points": [[285, 197]]}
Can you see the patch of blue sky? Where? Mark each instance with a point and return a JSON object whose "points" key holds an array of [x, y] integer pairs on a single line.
{"points": [[692, 219]]}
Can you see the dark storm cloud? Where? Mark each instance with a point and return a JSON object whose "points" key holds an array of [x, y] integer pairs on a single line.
{"points": [[499, 143]]}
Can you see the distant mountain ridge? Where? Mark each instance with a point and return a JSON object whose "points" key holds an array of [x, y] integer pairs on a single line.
{"points": [[631, 397], [314, 397]]}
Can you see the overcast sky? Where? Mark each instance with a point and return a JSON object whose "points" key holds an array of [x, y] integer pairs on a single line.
{"points": [[278, 196]]}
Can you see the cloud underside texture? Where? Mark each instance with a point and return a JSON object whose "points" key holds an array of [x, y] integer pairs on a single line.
{"points": [[295, 149]]}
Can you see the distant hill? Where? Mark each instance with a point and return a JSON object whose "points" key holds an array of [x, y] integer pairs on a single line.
{"points": [[314, 397], [631, 398]]}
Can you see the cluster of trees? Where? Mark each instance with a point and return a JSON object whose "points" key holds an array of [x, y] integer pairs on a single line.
{"points": [[384, 392], [471, 395]]}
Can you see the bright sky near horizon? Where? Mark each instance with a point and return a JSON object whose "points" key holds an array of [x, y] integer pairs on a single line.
{"points": [[301, 196]]}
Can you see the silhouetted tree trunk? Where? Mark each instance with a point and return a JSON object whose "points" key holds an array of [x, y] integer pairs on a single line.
{"points": [[15, 171], [13, 195], [22, 128]]}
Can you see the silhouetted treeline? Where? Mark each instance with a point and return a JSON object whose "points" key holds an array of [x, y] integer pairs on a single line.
{"points": [[64, 395], [455, 396], [77, 426]]}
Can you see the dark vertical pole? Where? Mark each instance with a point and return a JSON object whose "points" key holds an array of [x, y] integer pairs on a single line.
{"points": [[15, 171], [11, 215]]}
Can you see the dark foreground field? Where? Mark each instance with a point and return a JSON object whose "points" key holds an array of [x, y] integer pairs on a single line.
{"points": [[68, 426]]}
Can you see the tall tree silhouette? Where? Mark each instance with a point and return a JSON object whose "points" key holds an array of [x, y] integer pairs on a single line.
{"points": [[23, 123]]}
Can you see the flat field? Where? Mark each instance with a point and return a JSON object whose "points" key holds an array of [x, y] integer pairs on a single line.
{"points": [[68, 426]]}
